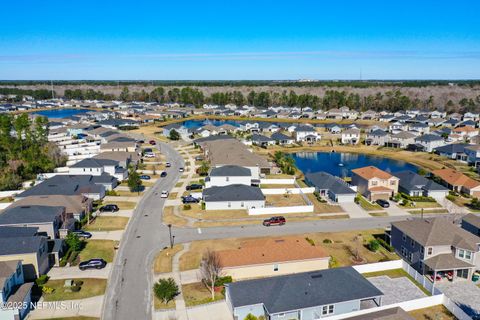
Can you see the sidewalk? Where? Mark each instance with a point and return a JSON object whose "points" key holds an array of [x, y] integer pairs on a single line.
{"points": [[73, 272], [115, 235], [90, 307]]}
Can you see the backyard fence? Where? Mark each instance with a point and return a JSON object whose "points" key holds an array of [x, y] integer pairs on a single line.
{"points": [[267, 191], [277, 181]]}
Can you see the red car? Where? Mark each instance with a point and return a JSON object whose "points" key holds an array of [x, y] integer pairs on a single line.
{"points": [[280, 221], [152, 142]]}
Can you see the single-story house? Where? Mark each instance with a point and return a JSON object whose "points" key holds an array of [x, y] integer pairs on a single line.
{"points": [[415, 185], [455, 151], [272, 257], [330, 186], [282, 139], [262, 141], [307, 295], [458, 182], [232, 197], [97, 167]]}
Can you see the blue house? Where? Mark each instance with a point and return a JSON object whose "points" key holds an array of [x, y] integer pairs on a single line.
{"points": [[14, 292], [302, 296]]}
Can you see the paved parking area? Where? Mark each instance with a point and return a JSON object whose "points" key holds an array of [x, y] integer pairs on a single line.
{"points": [[74, 272], [396, 290], [466, 294], [395, 210], [354, 210]]}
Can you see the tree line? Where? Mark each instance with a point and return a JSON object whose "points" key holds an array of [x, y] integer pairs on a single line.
{"points": [[25, 150]]}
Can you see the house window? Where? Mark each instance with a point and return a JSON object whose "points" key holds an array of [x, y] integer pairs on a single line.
{"points": [[422, 251], [242, 204], [412, 243], [326, 310], [461, 253], [404, 237], [374, 183], [227, 178], [468, 255], [19, 272], [410, 256], [281, 315], [275, 267], [229, 204], [404, 251], [393, 182], [429, 251]]}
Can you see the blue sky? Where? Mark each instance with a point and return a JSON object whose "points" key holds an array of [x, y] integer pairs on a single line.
{"points": [[143, 40]]}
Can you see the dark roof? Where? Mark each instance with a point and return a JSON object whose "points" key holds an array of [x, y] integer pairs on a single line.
{"points": [[278, 136], [378, 133], [234, 192], [303, 290], [15, 232], [30, 214], [452, 148], [469, 218], [324, 180], [94, 163], [446, 261], [409, 180], [303, 128], [260, 138], [429, 138], [230, 171], [21, 245], [177, 125], [67, 185], [213, 138]]}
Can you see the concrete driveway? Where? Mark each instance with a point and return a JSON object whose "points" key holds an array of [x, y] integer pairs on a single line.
{"points": [[212, 311], [354, 210], [90, 307], [74, 272], [395, 211], [115, 235], [465, 294]]}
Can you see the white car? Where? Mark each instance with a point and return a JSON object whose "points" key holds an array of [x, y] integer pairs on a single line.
{"points": [[149, 155], [164, 194], [181, 170], [168, 164]]}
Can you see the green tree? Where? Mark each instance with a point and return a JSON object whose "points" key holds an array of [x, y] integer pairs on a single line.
{"points": [[204, 168], [134, 181], [166, 290], [250, 317], [73, 242], [374, 245], [174, 135], [125, 94]]}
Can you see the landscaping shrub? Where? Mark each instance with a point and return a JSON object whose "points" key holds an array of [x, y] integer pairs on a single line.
{"points": [[450, 197], [166, 290], [111, 193], [223, 280], [374, 245], [187, 207], [333, 263], [76, 288], [311, 241], [384, 244], [78, 283], [327, 241], [47, 290], [203, 205], [417, 198], [40, 281]]}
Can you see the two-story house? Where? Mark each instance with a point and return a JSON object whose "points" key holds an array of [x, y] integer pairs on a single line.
{"points": [[437, 248], [430, 141], [473, 154], [351, 136], [96, 167], [227, 175], [15, 294], [306, 133], [374, 183], [471, 223]]}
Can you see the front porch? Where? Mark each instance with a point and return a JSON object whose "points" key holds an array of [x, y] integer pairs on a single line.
{"points": [[447, 268]]}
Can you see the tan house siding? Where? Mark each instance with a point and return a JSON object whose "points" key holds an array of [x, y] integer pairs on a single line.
{"points": [[34, 264]]}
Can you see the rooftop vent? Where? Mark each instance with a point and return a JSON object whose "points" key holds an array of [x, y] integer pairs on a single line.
{"points": [[316, 276]]}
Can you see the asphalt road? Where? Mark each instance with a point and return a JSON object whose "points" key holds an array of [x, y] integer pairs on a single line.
{"points": [[129, 291]]}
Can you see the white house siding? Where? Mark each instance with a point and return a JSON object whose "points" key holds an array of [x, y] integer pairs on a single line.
{"points": [[241, 312], [345, 198], [233, 205], [438, 195], [226, 181], [84, 171]]}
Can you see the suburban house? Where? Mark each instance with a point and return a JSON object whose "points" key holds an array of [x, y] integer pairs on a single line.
{"points": [[307, 295], [282, 139], [466, 132], [374, 183], [377, 137], [97, 167], [272, 257], [472, 153], [415, 185], [14, 292], [124, 158], [400, 140], [262, 141], [458, 182], [306, 133], [50, 221], [330, 186], [227, 175], [31, 250], [351, 136], [455, 151], [471, 223], [233, 197], [437, 248], [430, 141], [125, 145]]}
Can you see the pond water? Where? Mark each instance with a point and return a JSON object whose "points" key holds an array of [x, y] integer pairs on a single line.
{"points": [[61, 113], [341, 164]]}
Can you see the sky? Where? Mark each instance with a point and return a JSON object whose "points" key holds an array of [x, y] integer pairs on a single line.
{"points": [[239, 40]]}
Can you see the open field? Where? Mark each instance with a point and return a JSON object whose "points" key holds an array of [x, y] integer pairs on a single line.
{"points": [[340, 247], [98, 249], [163, 261], [89, 288], [107, 224]]}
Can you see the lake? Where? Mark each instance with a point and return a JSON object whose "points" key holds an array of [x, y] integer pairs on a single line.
{"points": [[341, 164], [61, 113]]}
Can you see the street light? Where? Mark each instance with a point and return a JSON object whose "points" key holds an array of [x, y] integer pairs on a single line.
{"points": [[170, 234]]}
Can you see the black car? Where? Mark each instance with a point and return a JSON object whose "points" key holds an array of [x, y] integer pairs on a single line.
{"points": [[190, 199], [199, 158], [82, 234], [109, 208], [383, 203], [194, 186], [144, 177], [92, 264], [163, 174]]}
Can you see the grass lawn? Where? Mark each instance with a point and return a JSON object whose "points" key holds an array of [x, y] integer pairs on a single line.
{"points": [[367, 205], [282, 200], [396, 273], [6, 200], [339, 248], [89, 288], [170, 218], [424, 205], [123, 193], [159, 305], [436, 312], [197, 212], [98, 249], [172, 195], [378, 214], [179, 184], [196, 293], [428, 211], [279, 176], [123, 205], [163, 261], [74, 318], [107, 224], [321, 207]]}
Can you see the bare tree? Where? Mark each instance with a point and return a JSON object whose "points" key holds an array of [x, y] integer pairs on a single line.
{"points": [[210, 269]]}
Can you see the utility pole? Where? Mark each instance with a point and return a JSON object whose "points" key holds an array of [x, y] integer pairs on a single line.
{"points": [[170, 235]]}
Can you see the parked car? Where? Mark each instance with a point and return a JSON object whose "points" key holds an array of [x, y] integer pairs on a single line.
{"points": [[152, 142], [109, 208], [82, 234], [145, 177], [163, 174], [190, 199], [168, 164], [140, 141], [280, 221], [164, 194], [181, 169], [199, 158], [147, 150], [149, 155], [194, 186], [383, 203], [92, 264]]}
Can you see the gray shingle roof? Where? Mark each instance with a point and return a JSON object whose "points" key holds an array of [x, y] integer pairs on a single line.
{"points": [[278, 136], [325, 181], [94, 163], [230, 171], [260, 138], [303, 290], [14, 232], [409, 180], [30, 214], [472, 219], [234, 192], [429, 138], [21, 245]]}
